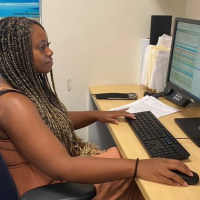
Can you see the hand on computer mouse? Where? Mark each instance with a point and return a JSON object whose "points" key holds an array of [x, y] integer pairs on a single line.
{"points": [[159, 170], [190, 180]]}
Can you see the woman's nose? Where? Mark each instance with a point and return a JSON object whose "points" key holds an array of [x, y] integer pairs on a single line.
{"points": [[50, 52]]}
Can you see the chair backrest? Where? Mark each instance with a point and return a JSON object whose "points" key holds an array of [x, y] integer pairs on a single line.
{"points": [[8, 190]]}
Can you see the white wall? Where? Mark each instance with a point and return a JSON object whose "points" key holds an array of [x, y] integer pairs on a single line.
{"points": [[192, 11], [97, 42]]}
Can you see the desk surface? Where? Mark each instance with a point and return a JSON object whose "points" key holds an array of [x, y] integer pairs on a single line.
{"points": [[130, 147]]}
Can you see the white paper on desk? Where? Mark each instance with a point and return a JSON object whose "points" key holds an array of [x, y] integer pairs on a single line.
{"points": [[149, 103]]}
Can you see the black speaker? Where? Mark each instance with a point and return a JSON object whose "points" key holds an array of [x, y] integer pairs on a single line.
{"points": [[160, 24]]}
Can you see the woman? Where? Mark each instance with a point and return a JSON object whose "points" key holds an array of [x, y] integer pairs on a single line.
{"points": [[37, 138]]}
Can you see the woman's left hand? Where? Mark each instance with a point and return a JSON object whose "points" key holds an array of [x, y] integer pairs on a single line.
{"points": [[111, 116]]}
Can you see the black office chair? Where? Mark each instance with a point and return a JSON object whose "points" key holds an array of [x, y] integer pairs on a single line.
{"points": [[59, 191]]}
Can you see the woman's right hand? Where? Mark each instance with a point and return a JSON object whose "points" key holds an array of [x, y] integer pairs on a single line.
{"points": [[159, 170]]}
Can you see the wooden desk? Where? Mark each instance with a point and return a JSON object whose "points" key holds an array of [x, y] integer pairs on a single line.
{"points": [[130, 147]]}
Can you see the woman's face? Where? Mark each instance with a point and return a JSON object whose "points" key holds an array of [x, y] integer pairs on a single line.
{"points": [[42, 54]]}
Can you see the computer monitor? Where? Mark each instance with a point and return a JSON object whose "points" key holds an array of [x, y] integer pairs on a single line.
{"points": [[183, 78]]}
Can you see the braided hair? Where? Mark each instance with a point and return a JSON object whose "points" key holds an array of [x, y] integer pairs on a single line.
{"points": [[17, 68]]}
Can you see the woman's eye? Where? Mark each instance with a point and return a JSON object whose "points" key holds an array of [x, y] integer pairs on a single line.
{"points": [[42, 47]]}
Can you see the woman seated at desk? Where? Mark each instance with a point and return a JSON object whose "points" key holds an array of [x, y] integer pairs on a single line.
{"points": [[37, 138]]}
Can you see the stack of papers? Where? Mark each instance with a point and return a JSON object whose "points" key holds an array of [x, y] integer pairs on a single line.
{"points": [[149, 103], [155, 64], [154, 68], [164, 40]]}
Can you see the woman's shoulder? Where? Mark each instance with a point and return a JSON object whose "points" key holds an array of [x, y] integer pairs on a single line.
{"points": [[13, 99], [14, 105]]}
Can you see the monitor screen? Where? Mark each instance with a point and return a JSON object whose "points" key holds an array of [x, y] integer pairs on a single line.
{"points": [[184, 64], [183, 76]]}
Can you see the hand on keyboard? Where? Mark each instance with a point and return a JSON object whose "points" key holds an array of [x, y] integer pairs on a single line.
{"points": [[111, 116]]}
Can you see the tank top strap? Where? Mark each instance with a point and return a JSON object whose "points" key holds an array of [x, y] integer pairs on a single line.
{"points": [[5, 90]]}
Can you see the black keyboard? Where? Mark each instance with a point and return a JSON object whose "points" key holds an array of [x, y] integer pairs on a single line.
{"points": [[155, 138]]}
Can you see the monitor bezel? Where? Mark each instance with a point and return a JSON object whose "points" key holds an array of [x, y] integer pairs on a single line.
{"points": [[169, 84]]}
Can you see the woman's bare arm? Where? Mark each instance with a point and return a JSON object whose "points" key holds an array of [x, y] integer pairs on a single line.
{"points": [[85, 118], [20, 120]]}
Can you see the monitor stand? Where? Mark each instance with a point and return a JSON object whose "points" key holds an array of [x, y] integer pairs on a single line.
{"points": [[191, 127]]}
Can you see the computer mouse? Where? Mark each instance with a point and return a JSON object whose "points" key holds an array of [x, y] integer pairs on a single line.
{"points": [[190, 180]]}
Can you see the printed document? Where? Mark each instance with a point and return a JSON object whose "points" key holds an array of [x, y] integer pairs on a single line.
{"points": [[149, 103]]}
